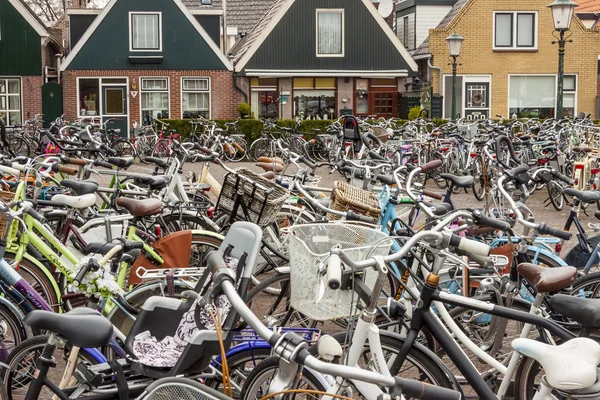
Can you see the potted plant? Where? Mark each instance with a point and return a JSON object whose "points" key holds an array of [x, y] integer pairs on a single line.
{"points": [[90, 102]]}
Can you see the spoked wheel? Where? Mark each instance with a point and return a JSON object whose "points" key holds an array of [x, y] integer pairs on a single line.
{"points": [[555, 193], [435, 174], [19, 146], [124, 148], [479, 180], [161, 149], [142, 150]]}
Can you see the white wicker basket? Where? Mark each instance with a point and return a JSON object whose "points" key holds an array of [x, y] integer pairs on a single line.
{"points": [[309, 246]]}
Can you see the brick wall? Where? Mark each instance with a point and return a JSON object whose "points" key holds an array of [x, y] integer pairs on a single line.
{"points": [[224, 97], [32, 95], [475, 23]]}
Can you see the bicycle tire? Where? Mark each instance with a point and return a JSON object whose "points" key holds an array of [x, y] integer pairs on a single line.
{"points": [[259, 375], [479, 183], [34, 346], [525, 377], [583, 284], [19, 146], [124, 148], [577, 257], [10, 322], [555, 194]]}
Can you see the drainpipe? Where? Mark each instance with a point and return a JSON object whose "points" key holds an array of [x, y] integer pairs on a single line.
{"points": [[58, 58], [225, 47], [431, 66]]}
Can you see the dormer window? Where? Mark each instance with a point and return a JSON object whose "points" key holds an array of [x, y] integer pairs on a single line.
{"points": [[145, 31], [330, 32]]}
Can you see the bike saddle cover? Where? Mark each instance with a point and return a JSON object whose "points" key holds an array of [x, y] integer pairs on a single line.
{"points": [[586, 196], [582, 149], [77, 202], [82, 327], [80, 187], [159, 162], [579, 309], [440, 208], [465, 181], [121, 162], [140, 208], [153, 182], [546, 280], [274, 167], [570, 366]]}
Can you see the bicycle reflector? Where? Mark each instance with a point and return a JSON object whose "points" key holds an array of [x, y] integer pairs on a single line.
{"points": [[473, 155], [594, 171], [558, 247]]}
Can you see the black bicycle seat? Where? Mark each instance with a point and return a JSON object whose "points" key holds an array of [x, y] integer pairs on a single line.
{"points": [[579, 309], [80, 187], [159, 162], [82, 327], [465, 181], [121, 162], [586, 196]]}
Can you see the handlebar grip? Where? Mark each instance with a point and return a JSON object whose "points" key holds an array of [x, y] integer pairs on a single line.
{"points": [[482, 261], [9, 170], [374, 138], [352, 216], [205, 150], [108, 150], [470, 246], [563, 178], [375, 156], [35, 215], [64, 169], [129, 245], [340, 164], [518, 170], [492, 222], [100, 163], [355, 172], [425, 391], [308, 162], [433, 195], [431, 165], [75, 161], [81, 274], [544, 229], [334, 272]]}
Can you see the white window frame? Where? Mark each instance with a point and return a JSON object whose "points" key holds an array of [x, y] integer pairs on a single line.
{"points": [[160, 31], [8, 109], [576, 91], [101, 97], [514, 46], [182, 91], [168, 91], [330, 10]]}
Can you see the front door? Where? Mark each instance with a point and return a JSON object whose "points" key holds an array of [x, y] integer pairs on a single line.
{"points": [[477, 104], [52, 102], [114, 108]]}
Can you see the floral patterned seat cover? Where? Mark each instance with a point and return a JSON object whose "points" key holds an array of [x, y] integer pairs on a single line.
{"points": [[164, 353]]}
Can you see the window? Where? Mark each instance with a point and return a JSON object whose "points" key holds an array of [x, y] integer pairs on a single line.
{"points": [[10, 101], [569, 95], [195, 97], [532, 96], [145, 32], [314, 98], [330, 33], [405, 32], [155, 99], [514, 30]]}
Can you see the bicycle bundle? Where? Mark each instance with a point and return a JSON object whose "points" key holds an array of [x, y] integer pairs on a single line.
{"points": [[251, 197]]}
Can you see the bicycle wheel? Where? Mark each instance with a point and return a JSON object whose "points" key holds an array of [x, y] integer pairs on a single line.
{"points": [[21, 367], [261, 148], [587, 286], [160, 149], [12, 331], [142, 150], [19, 145], [577, 257], [435, 174], [479, 183], [124, 148], [555, 193], [240, 364], [527, 379]]}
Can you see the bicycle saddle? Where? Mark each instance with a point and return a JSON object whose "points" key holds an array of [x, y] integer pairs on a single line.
{"points": [[159, 162], [579, 309], [440, 209], [586, 196], [464, 181], [270, 160], [82, 327], [121, 162], [77, 202], [270, 167], [582, 149], [80, 187], [570, 366], [153, 182], [547, 280], [140, 208]]}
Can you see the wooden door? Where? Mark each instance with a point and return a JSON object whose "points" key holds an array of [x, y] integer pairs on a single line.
{"points": [[384, 103]]}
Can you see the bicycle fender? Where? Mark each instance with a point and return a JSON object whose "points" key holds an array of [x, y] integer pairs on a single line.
{"points": [[548, 254], [208, 233], [18, 313]]}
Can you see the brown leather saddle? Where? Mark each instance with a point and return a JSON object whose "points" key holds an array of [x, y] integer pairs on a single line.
{"points": [[140, 208], [546, 280]]}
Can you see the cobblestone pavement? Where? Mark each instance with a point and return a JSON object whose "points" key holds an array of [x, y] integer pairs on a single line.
{"points": [[542, 213]]}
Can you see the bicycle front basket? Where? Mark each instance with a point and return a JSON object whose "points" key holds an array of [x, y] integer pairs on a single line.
{"points": [[309, 246], [172, 388]]}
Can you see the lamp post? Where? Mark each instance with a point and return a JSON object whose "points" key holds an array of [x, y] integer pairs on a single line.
{"points": [[562, 14], [454, 44]]}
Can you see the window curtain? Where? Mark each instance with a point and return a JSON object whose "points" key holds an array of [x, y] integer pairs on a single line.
{"points": [[532, 92], [330, 33], [525, 30], [145, 31], [503, 30]]}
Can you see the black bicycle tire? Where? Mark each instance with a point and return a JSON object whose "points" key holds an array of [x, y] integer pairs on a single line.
{"points": [[15, 323], [550, 188], [235, 360]]}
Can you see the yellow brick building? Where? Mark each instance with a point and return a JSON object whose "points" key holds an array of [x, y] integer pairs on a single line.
{"points": [[508, 62]]}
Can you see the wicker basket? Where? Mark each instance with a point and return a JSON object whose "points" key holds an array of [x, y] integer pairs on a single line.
{"points": [[6, 197], [261, 198], [381, 133], [345, 197]]}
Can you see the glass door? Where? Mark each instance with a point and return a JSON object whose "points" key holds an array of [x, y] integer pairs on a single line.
{"points": [[114, 108]]}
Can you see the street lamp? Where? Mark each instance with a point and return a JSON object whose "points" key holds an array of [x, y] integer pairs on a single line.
{"points": [[454, 44], [562, 14]]}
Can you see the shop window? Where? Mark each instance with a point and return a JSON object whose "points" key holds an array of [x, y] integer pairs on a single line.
{"points": [[330, 33], [532, 96], [89, 97], [195, 97], [145, 31], [264, 103], [10, 101], [314, 104], [155, 99]]}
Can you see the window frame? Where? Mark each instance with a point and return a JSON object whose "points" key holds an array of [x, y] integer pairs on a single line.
{"points": [[330, 10], [209, 91], [160, 31], [575, 91], [405, 33], [141, 90], [514, 29], [7, 95]]}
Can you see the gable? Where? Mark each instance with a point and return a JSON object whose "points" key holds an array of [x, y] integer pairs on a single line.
{"points": [[367, 46], [185, 45], [78, 24], [19, 30]]}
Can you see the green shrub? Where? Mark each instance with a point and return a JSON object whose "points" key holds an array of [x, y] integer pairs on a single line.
{"points": [[414, 112], [244, 110]]}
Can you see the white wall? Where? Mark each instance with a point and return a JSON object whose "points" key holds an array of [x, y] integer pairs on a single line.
{"points": [[428, 17]]}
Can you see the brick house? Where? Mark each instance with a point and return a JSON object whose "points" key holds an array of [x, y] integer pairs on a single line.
{"points": [[142, 59], [508, 62], [28, 59]]}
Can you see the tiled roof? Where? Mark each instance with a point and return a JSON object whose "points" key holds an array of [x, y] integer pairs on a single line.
{"points": [[452, 13], [197, 5], [245, 14], [422, 50], [588, 6], [249, 40]]}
